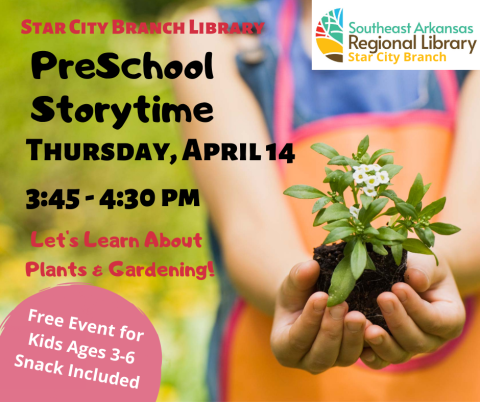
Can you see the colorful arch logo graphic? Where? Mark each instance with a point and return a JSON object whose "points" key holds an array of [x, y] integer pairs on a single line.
{"points": [[329, 35]]}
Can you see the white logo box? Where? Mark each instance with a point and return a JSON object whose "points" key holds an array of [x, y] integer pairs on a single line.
{"points": [[386, 35]]}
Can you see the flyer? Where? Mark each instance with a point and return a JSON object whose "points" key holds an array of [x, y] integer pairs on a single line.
{"points": [[239, 200]]}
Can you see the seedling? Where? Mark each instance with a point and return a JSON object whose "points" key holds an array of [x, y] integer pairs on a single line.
{"points": [[369, 180]]}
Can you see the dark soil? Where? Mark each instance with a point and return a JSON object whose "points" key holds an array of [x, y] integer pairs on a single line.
{"points": [[369, 286]]}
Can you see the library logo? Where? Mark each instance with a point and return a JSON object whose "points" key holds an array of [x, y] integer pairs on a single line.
{"points": [[329, 35]]}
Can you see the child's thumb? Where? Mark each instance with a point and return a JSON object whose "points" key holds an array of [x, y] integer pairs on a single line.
{"points": [[299, 285]]}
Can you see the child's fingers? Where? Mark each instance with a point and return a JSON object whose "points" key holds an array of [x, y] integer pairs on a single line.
{"points": [[439, 318], [304, 330], [325, 348], [367, 324], [422, 272], [371, 360], [385, 346], [297, 287], [403, 328], [352, 343]]}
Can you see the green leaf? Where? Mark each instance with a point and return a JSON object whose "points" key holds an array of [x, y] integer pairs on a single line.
{"points": [[343, 161], [444, 228], [416, 191], [334, 212], [370, 264], [361, 214], [337, 224], [426, 187], [374, 209], [333, 174], [363, 147], [406, 210], [389, 194], [380, 249], [434, 208], [375, 241], [365, 158], [379, 153], [318, 217], [392, 170], [416, 246], [382, 188], [422, 236], [430, 236], [397, 252], [345, 181], [358, 260], [347, 251], [338, 234], [378, 242], [385, 160], [418, 208], [393, 220], [333, 179], [391, 211], [389, 234], [342, 283], [319, 204], [366, 200], [328, 170], [325, 150], [371, 231], [303, 192]]}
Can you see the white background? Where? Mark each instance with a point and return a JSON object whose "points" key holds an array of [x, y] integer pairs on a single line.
{"points": [[367, 12]]}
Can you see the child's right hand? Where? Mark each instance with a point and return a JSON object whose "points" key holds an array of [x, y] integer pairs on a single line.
{"points": [[307, 334]]}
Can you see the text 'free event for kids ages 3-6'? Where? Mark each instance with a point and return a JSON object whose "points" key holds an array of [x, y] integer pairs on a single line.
{"points": [[240, 200]]}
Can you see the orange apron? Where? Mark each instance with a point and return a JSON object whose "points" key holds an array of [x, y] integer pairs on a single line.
{"points": [[422, 140]]}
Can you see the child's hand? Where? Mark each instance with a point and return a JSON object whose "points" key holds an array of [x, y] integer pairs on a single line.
{"points": [[308, 335], [420, 322]]}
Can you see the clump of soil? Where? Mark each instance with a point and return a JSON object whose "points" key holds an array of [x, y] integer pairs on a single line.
{"points": [[369, 286]]}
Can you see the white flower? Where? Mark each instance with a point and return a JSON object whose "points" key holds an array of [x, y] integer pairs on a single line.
{"points": [[383, 177], [360, 168], [376, 167], [368, 168], [354, 212], [369, 191], [372, 182], [360, 176]]}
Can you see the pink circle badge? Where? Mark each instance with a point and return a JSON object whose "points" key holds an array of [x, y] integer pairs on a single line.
{"points": [[77, 342]]}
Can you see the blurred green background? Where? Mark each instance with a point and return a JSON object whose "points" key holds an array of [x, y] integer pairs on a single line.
{"points": [[182, 309]]}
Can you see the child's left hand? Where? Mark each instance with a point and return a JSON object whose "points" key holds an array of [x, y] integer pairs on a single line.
{"points": [[420, 322]]}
